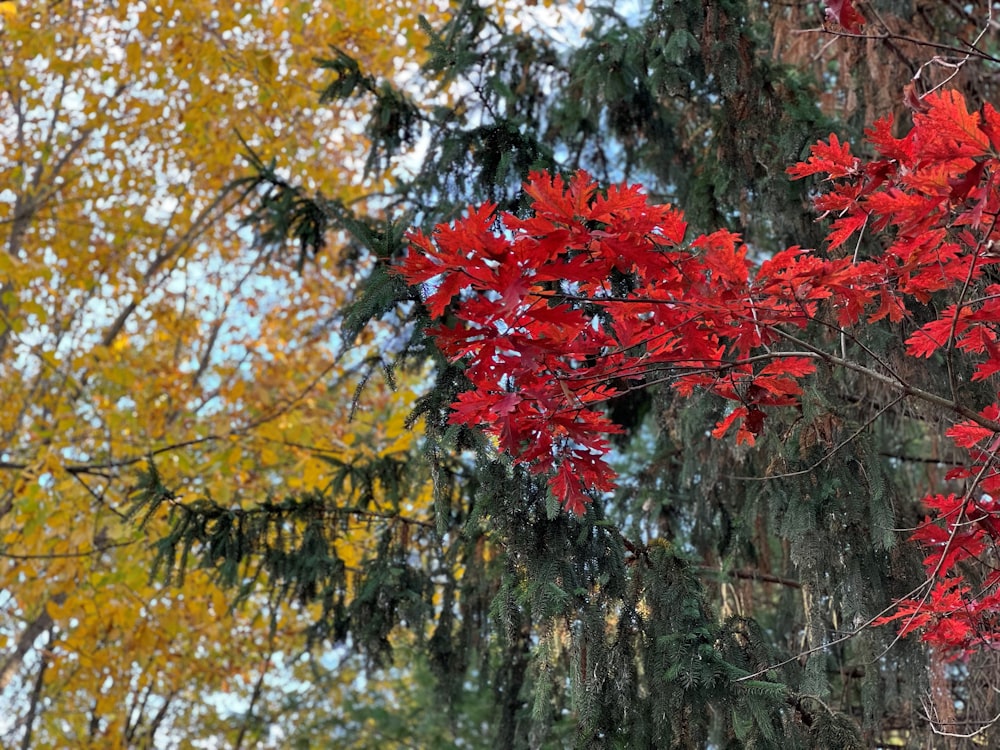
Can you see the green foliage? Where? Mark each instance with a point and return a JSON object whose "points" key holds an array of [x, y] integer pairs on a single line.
{"points": [[293, 544]]}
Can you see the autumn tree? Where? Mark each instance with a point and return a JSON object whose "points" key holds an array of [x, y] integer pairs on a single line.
{"points": [[721, 590], [137, 320]]}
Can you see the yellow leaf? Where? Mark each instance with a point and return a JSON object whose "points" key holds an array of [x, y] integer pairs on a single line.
{"points": [[237, 390], [8, 11], [313, 473], [54, 610], [133, 55], [265, 63]]}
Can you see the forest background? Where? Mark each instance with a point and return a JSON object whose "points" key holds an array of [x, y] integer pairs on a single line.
{"points": [[235, 510]]}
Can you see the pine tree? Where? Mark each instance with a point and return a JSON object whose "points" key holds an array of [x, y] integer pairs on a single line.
{"points": [[724, 595]]}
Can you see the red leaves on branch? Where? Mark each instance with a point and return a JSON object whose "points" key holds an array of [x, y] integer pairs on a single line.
{"points": [[832, 159], [950, 617], [932, 197], [597, 292], [557, 313]]}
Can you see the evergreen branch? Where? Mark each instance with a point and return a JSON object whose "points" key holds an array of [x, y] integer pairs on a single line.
{"points": [[360, 513], [847, 636], [747, 574], [829, 454]]}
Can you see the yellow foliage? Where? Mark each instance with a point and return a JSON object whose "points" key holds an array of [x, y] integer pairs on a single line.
{"points": [[135, 317]]}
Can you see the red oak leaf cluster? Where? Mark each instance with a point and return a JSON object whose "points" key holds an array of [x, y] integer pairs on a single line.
{"points": [[598, 291], [932, 199]]}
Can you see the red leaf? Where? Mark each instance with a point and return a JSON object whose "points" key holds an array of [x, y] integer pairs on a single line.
{"points": [[912, 100], [472, 407], [844, 13], [797, 367], [833, 159], [900, 150], [844, 227], [968, 434], [952, 131], [962, 186], [932, 336], [724, 424], [555, 200], [991, 125], [568, 489], [754, 422], [987, 369]]}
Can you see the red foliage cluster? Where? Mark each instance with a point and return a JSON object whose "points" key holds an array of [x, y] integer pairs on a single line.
{"points": [[598, 292]]}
